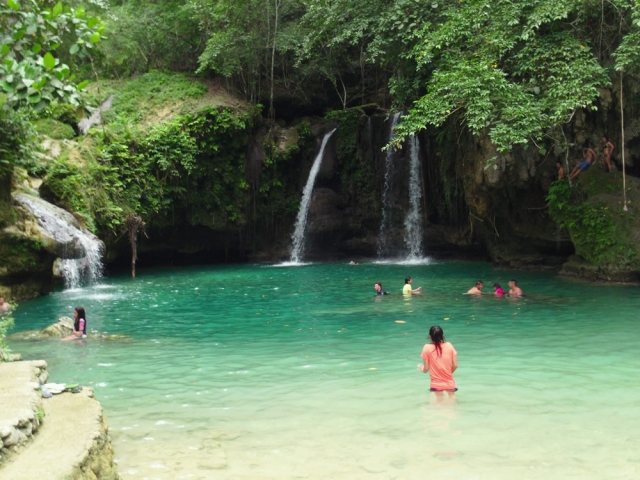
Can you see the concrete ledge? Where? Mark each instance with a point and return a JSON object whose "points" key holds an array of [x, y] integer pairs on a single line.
{"points": [[72, 440], [22, 411], [72, 444]]}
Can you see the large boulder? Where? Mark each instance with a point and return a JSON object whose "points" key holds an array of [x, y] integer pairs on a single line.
{"points": [[62, 328]]}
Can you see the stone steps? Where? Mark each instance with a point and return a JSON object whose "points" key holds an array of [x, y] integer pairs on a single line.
{"points": [[71, 440], [21, 408]]}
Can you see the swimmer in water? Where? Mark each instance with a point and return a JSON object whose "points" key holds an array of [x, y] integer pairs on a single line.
{"points": [[4, 306], [477, 290], [379, 290], [407, 290], [498, 290], [514, 290]]}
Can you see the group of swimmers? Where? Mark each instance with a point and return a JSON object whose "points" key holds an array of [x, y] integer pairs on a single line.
{"points": [[439, 358], [514, 290], [407, 290]]}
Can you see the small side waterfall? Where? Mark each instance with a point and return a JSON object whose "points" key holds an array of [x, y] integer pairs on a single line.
{"points": [[85, 270], [383, 247], [413, 219], [298, 236], [79, 251]]}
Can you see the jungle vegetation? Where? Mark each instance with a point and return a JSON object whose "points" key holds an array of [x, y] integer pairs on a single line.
{"points": [[516, 71]]}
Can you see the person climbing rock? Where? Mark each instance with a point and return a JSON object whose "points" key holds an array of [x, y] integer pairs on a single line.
{"points": [[607, 152]]}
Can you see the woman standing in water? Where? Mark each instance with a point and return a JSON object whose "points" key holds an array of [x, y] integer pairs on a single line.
{"points": [[440, 361]]}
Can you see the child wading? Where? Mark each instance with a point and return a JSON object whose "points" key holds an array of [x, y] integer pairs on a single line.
{"points": [[440, 362]]}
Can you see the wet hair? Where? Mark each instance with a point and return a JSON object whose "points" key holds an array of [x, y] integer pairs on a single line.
{"points": [[81, 313], [407, 279], [496, 285], [479, 282], [379, 283], [437, 338], [515, 282]]}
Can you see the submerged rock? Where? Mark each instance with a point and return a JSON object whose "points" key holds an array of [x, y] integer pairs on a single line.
{"points": [[63, 328]]}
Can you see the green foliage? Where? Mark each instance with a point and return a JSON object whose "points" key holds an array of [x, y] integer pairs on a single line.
{"points": [[30, 74], [147, 35], [137, 98], [63, 112], [277, 196], [17, 142], [192, 165], [512, 69], [599, 235], [356, 174], [304, 132], [54, 129], [627, 54], [6, 322]]}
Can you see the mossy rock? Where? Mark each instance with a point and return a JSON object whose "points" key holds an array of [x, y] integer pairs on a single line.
{"points": [[54, 129]]}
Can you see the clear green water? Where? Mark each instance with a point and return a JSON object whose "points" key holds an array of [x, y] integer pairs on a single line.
{"points": [[263, 372]]}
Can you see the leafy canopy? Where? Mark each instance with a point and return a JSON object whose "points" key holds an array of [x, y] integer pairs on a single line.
{"points": [[512, 69], [33, 32]]}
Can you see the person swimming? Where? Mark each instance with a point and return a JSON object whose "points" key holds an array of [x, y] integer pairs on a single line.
{"points": [[408, 290], [498, 290], [379, 290], [477, 290], [514, 290]]}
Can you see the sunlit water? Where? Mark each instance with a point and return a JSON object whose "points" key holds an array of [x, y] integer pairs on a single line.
{"points": [[260, 372]]}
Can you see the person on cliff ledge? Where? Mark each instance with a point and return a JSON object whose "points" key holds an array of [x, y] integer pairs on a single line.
{"points": [[79, 326], [589, 156], [408, 290], [4, 306], [607, 151], [477, 290], [561, 171]]}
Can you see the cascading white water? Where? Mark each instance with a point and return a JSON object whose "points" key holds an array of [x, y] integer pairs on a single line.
{"points": [[413, 219], [386, 190], [298, 236], [79, 250], [85, 270]]}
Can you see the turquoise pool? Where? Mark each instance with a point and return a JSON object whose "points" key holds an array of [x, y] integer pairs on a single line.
{"points": [[245, 372]]}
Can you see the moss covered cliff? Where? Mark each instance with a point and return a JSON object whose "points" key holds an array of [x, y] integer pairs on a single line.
{"points": [[213, 180]]}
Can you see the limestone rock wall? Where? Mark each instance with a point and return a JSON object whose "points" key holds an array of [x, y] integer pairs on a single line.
{"points": [[22, 409]]}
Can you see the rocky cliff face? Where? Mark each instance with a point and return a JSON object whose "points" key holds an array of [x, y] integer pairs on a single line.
{"points": [[476, 201]]}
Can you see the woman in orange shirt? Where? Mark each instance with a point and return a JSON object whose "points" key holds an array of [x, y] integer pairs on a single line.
{"points": [[440, 361]]}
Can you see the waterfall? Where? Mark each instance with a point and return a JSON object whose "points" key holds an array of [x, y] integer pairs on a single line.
{"points": [[413, 219], [79, 250], [305, 204], [85, 270], [383, 247]]}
